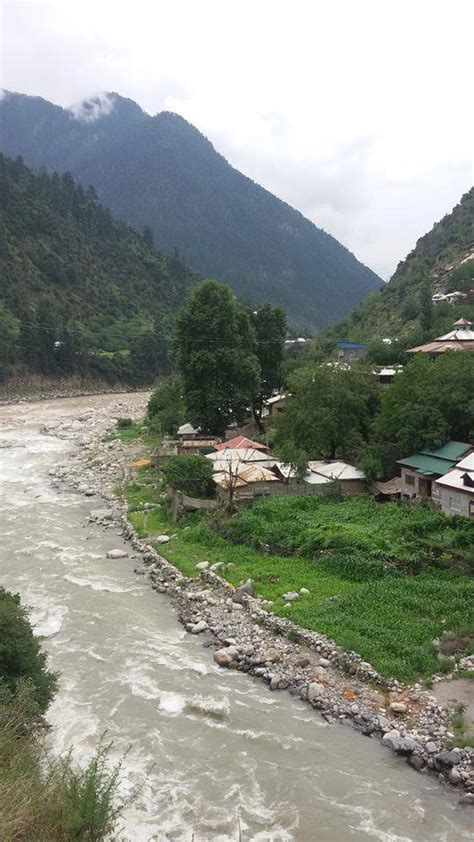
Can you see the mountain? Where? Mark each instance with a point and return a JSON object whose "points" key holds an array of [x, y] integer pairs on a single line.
{"points": [[442, 261], [163, 173], [68, 269]]}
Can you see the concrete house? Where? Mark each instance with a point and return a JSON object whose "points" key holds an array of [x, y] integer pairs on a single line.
{"points": [[455, 490], [350, 350], [422, 469]]}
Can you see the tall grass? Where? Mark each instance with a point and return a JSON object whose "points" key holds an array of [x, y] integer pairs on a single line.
{"points": [[45, 799]]}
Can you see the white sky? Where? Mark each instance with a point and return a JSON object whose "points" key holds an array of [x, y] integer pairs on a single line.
{"points": [[360, 113]]}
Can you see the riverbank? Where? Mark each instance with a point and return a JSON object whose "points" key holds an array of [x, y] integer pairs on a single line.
{"points": [[32, 388], [246, 637]]}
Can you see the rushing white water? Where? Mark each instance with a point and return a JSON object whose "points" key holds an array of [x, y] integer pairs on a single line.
{"points": [[212, 749]]}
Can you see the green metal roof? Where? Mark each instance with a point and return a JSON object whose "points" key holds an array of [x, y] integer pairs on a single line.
{"points": [[430, 462], [428, 465], [453, 451]]}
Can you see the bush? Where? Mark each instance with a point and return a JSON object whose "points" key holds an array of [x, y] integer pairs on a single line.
{"points": [[166, 411], [124, 423], [190, 474], [22, 663]]}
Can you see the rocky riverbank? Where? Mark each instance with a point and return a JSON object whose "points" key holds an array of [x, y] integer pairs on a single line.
{"points": [[244, 636]]}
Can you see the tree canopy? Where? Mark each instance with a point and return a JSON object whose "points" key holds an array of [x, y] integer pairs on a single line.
{"points": [[329, 413], [215, 354], [430, 402]]}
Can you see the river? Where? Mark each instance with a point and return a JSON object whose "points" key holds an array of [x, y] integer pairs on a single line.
{"points": [[213, 749]]}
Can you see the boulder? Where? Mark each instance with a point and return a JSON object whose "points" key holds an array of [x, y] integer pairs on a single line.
{"points": [[162, 539], [199, 627], [304, 590], [291, 596], [446, 759], [217, 566], [302, 662], [323, 662], [272, 655], [398, 707], [431, 747], [402, 745], [315, 691], [202, 565], [245, 589], [454, 776], [416, 762], [223, 657], [117, 554]]}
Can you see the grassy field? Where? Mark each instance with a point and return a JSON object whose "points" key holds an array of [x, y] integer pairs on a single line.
{"points": [[357, 595]]}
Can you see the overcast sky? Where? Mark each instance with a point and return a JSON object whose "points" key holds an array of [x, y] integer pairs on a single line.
{"points": [[360, 113]]}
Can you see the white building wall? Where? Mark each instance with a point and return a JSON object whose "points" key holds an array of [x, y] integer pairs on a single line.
{"points": [[455, 502]]}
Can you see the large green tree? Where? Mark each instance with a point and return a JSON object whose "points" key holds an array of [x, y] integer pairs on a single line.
{"points": [[215, 352], [431, 402], [270, 328], [329, 413]]}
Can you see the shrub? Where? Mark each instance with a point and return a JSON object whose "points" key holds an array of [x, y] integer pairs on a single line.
{"points": [[124, 423], [190, 474], [22, 663]]}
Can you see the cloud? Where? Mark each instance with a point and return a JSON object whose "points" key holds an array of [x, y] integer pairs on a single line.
{"points": [[358, 114]]}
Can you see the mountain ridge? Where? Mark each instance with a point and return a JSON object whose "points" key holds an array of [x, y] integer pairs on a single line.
{"points": [[162, 172]]}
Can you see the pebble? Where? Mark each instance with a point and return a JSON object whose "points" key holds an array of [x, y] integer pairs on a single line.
{"points": [[117, 554]]}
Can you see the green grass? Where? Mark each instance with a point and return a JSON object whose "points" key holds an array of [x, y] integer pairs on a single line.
{"points": [[136, 432], [388, 617]]}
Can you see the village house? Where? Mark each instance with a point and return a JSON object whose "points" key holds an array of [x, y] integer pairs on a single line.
{"points": [[385, 374], [187, 431], [347, 350], [459, 339], [275, 404], [352, 480], [422, 469], [455, 490]]}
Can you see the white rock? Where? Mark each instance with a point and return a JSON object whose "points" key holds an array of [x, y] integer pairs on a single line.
{"points": [[398, 707], [117, 554], [315, 691], [203, 565], [199, 627], [304, 590], [291, 596], [162, 539]]}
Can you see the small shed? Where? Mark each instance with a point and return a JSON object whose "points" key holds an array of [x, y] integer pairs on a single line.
{"points": [[352, 479], [187, 431]]}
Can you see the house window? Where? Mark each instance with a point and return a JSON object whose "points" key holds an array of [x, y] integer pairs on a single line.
{"points": [[410, 479]]}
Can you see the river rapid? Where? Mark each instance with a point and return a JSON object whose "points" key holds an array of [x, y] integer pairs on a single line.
{"points": [[216, 753]]}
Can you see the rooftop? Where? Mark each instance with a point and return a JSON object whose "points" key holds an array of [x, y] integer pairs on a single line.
{"points": [[436, 462], [240, 442]]}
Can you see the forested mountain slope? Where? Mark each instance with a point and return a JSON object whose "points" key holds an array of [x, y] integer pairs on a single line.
{"points": [[442, 261], [68, 269], [162, 172]]}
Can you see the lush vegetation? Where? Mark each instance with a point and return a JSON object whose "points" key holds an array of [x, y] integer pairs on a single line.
{"points": [[341, 412], [41, 797], [429, 403], [403, 308], [367, 538], [190, 474], [383, 581], [330, 411], [166, 410], [80, 292], [162, 173], [22, 663]]}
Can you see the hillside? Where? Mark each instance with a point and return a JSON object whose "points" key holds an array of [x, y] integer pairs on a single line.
{"points": [[71, 274], [162, 172], [442, 261]]}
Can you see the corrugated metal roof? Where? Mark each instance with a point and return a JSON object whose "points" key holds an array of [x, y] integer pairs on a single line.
{"points": [[239, 442], [430, 462], [466, 464], [455, 479], [336, 470], [451, 450]]}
